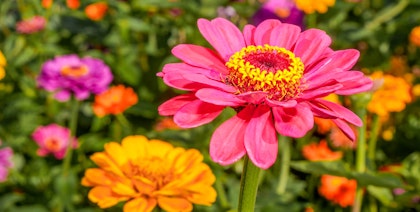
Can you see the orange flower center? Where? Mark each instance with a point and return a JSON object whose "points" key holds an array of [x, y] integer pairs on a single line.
{"points": [[74, 71], [271, 69], [52, 144]]}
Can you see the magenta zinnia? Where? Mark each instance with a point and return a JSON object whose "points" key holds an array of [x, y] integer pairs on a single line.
{"points": [[272, 74], [69, 74]]}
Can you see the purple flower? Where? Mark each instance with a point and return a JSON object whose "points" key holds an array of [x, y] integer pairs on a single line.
{"points": [[69, 74], [53, 139], [32, 25], [5, 162], [283, 10]]}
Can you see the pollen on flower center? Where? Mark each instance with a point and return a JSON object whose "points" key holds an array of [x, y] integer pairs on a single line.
{"points": [[74, 71], [52, 144], [271, 69]]}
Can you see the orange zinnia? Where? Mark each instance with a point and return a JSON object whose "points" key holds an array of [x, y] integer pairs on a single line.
{"points": [[339, 190], [320, 151], [114, 101], [147, 173], [415, 36], [96, 11], [311, 6], [73, 4], [46, 3]]}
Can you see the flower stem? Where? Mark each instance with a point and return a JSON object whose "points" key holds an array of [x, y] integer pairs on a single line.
{"points": [[284, 144], [376, 125], [360, 159], [249, 186], [73, 127]]}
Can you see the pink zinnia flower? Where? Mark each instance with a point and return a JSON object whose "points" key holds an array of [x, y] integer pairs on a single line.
{"points": [[69, 74], [32, 25], [53, 139], [5, 162], [272, 74]]}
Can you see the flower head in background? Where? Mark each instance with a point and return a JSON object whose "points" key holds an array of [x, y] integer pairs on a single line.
{"points": [[273, 75], [415, 36], [53, 139], [73, 4], [311, 6], [338, 190], [32, 25], [96, 11], [46, 4], [114, 101], [147, 173], [3, 63], [340, 140], [6, 154], [391, 96], [166, 123], [69, 74], [283, 10], [320, 152]]}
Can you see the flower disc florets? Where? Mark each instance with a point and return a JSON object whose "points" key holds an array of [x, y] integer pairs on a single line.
{"points": [[271, 69]]}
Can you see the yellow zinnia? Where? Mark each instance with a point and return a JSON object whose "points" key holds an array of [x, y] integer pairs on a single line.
{"points": [[392, 96], [311, 6], [3, 63], [147, 173]]}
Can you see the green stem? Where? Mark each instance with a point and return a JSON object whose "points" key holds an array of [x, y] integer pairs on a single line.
{"points": [[73, 128], [249, 186], [360, 158], [376, 125], [285, 153]]}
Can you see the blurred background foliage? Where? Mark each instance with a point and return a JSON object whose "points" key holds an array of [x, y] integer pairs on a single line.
{"points": [[135, 39]]}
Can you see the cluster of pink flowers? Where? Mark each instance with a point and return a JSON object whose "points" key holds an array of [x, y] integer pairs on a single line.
{"points": [[5, 162], [32, 25]]}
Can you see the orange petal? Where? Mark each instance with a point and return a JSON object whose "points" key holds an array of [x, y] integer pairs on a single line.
{"points": [[106, 163], [116, 153], [135, 146], [104, 197], [95, 176], [159, 148], [174, 204], [140, 205]]}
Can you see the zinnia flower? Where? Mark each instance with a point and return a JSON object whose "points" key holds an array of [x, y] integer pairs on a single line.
{"points": [[273, 75], [166, 123], [73, 4], [339, 190], [114, 101], [311, 6], [5, 162], [415, 36], [53, 139], [283, 10], [3, 63], [320, 152], [340, 140], [46, 4], [96, 11], [69, 74], [392, 96], [147, 173], [32, 25]]}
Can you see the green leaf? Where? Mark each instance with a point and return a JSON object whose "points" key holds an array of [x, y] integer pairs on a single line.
{"points": [[384, 195]]}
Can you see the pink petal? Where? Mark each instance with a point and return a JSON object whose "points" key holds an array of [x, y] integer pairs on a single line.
{"points": [[343, 112], [274, 103], [284, 35], [293, 122], [261, 138], [321, 111], [353, 82], [199, 78], [249, 31], [199, 56], [253, 97], [322, 90], [345, 128], [218, 97], [310, 45], [263, 31], [343, 59], [171, 106], [196, 113], [183, 68], [223, 35], [227, 142]]}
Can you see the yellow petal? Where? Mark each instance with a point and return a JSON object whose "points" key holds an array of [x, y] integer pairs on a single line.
{"points": [[123, 189], [116, 153], [159, 148], [135, 146], [104, 197], [95, 176], [174, 204], [140, 205], [103, 161], [3, 61], [205, 195]]}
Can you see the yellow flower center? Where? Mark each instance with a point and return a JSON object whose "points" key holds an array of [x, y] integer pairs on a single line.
{"points": [[74, 71], [271, 69], [153, 169]]}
